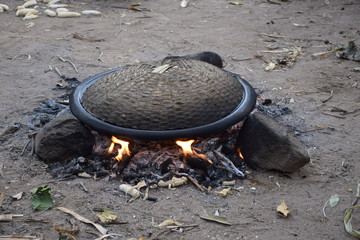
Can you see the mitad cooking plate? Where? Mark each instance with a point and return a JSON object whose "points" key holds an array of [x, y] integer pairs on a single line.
{"points": [[168, 99]]}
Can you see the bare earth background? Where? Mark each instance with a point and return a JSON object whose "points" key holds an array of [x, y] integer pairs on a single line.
{"points": [[122, 36]]}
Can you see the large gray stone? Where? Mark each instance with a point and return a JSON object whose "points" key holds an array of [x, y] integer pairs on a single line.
{"points": [[63, 138], [267, 145]]}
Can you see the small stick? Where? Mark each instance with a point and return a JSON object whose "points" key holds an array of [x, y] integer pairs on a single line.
{"points": [[193, 180], [58, 72], [328, 98], [146, 195], [1, 175], [25, 146], [273, 36], [83, 187], [72, 64], [333, 115], [229, 164]]}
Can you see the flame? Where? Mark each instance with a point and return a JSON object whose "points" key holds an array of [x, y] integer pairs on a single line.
{"points": [[122, 151], [239, 153], [187, 150]]}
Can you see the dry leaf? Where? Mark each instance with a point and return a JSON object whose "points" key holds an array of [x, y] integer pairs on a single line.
{"points": [[162, 68], [169, 222], [347, 222], [334, 200], [100, 228], [107, 216], [283, 209], [214, 218]]}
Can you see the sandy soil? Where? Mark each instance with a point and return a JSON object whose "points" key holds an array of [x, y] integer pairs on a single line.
{"points": [[122, 36]]}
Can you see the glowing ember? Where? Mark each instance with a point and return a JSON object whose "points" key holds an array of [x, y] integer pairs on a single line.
{"points": [[122, 151], [240, 154], [187, 150]]}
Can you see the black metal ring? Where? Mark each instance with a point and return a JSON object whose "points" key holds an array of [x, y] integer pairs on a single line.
{"points": [[239, 113]]}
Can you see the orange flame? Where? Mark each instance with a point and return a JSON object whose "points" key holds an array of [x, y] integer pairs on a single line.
{"points": [[122, 151], [187, 150], [239, 153]]}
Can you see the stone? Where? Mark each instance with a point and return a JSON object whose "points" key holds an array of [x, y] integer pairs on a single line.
{"points": [[63, 138], [268, 145]]}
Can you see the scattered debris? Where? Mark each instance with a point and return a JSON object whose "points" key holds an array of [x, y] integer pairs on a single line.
{"points": [[215, 218], [328, 98], [332, 202], [183, 3], [130, 190], [107, 216], [18, 196], [67, 234], [236, 3], [9, 217], [270, 67], [283, 209], [41, 198], [19, 237], [91, 12], [100, 228], [351, 52], [4, 7], [224, 192], [173, 182], [169, 222], [348, 215], [68, 14]]}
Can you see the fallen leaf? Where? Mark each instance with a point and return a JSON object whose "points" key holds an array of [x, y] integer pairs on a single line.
{"points": [[214, 218], [334, 200], [162, 68], [347, 222], [41, 198], [100, 228], [106, 216], [169, 222], [283, 209]]}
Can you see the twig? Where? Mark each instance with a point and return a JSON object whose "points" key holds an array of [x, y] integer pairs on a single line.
{"points": [[58, 72], [1, 175], [246, 59], [25, 146], [333, 115], [229, 164], [146, 195], [273, 36], [83, 187], [72, 64], [193, 180], [328, 98]]}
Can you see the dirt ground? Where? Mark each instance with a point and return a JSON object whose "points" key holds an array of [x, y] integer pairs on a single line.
{"points": [[329, 129]]}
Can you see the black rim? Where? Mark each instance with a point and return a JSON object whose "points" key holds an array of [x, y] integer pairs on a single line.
{"points": [[239, 113]]}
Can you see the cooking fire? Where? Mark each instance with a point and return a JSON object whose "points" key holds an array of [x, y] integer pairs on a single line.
{"points": [[208, 160]]}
